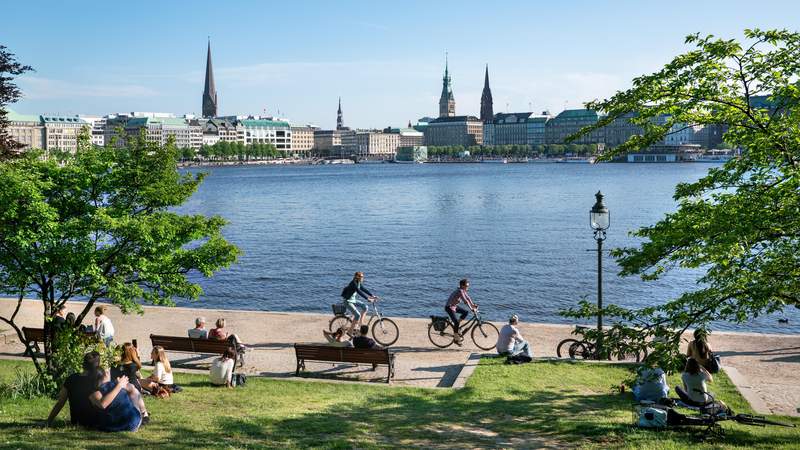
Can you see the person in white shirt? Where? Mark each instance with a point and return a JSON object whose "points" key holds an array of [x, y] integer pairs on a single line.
{"points": [[510, 342], [102, 325], [221, 371], [162, 371], [199, 331]]}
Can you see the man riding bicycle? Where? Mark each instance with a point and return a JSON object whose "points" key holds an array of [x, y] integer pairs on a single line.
{"points": [[453, 306], [354, 305]]}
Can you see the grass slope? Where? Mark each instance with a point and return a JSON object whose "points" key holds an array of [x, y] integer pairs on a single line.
{"points": [[551, 404]]}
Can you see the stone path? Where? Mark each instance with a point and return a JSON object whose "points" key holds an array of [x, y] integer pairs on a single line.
{"points": [[765, 367]]}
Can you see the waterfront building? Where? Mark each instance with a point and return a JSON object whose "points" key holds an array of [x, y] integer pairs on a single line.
{"points": [[210, 90], [570, 121], [220, 130], [455, 130], [447, 103], [409, 137], [506, 129], [61, 132], [303, 138], [161, 129], [371, 143], [98, 128], [26, 129], [536, 126], [620, 130], [267, 131], [487, 111]]}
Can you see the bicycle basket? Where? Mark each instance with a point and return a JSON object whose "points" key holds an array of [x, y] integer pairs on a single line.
{"points": [[338, 309], [439, 323]]}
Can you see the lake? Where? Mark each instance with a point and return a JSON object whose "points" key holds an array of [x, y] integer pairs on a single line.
{"points": [[519, 232]]}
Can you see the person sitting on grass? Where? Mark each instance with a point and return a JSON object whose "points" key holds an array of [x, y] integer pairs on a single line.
{"points": [[510, 341], [338, 338], [95, 401], [221, 371], [199, 331], [220, 334], [651, 383], [162, 371], [363, 340], [695, 390], [129, 365]]}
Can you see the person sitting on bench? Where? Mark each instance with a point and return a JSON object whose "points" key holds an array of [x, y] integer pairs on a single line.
{"points": [[338, 338], [199, 331], [363, 340], [220, 334]]}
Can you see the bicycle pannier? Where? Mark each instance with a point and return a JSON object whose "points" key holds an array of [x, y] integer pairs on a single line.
{"points": [[338, 309], [439, 323]]}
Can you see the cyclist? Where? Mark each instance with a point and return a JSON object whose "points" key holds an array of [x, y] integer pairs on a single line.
{"points": [[354, 305], [453, 306]]}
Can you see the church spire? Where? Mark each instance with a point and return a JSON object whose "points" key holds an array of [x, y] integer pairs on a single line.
{"points": [[210, 89], [487, 112], [339, 120], [447, 103]]}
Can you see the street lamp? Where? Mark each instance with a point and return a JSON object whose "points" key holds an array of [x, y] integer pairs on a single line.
{"points": [[599, 219]]}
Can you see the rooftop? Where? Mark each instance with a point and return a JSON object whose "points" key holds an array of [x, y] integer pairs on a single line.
{"points": [[454, 119], [144, 121], [62, 119], [578, 114], [264, 123], [14, 116]]}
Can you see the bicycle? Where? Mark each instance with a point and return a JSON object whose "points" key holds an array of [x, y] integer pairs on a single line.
{"points": [[583, 349], [442, 333], [384, 330]]}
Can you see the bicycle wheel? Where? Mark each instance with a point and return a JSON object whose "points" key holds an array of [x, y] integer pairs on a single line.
{"points": [[748, 419], [441, 339], [580, 350], [563, 347], [338, 322], [385, 332], [484, 335]]}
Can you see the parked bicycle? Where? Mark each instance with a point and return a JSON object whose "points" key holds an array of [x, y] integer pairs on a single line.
{"points": [[584, 349], [442, 333], [384, 330]]}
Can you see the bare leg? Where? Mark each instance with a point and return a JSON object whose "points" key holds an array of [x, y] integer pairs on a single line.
{"points": [[137, 400]]}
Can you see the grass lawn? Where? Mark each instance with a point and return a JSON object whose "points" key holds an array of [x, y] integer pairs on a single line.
{"points": [[556, 404]]}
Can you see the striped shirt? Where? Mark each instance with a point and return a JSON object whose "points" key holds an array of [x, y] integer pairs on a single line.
{"points": [[458, 296]]}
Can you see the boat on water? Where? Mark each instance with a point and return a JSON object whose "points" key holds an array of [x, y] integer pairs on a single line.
{"points": [[715, 156], [576, 160], [495, 160]]}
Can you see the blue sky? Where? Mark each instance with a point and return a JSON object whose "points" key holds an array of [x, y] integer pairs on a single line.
{"points": [[385, 59]]}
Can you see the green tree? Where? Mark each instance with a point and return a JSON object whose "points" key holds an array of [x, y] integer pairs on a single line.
{"points": [[739, 223], [9, 93], [100, 225]]}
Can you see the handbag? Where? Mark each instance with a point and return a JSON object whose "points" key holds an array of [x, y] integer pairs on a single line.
{"points": [[239, 379], [713, 363]]}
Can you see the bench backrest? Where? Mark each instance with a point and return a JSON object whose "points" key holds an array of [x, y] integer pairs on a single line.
{"points": [[33, 334], [342, 354], [187, 344]]}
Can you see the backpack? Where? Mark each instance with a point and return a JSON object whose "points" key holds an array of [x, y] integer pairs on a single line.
{"points": [[652, 418], [239, 379], [519, 358]]}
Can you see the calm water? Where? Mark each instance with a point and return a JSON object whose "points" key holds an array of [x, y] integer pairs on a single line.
{"points": [[520, 232]]}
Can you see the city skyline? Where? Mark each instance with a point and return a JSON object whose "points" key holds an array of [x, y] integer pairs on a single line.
{"points": [[367, 54]]}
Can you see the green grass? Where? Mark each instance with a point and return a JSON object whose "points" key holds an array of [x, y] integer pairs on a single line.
{"points": [[558, 404]]}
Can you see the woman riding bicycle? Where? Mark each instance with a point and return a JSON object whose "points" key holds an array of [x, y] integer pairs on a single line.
{"points": [[354, 305]]}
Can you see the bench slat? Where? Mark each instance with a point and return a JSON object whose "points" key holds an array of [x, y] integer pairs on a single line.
{"points": [[329, 353]]}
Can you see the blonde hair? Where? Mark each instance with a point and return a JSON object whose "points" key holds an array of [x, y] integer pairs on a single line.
{"points": [[129, 354], [161, 356], [220, 323], [100, 310]]}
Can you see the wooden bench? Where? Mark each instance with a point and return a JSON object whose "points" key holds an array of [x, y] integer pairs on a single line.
{"points": [[328, 353], [36, 335], [191, 345]]}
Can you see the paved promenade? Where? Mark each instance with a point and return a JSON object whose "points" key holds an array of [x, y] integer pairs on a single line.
{"points": [[765, 367]]}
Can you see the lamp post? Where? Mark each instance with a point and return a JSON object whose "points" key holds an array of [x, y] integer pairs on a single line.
{"points": [[599, 219]]}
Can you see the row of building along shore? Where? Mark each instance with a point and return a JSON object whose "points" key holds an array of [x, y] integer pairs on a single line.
{"points": [[50, 132]]}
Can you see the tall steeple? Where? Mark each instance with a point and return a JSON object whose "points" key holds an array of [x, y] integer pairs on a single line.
{"points": [[487, 112], [447, 103], [339, 120], [210, 90]]}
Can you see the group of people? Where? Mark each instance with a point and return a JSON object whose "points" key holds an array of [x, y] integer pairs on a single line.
{"points": [[697, 373], [218, 333], [102, 328]]}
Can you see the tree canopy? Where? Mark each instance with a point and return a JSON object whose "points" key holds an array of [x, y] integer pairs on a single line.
{"points": [[99, 224], [9, 93], [739, 223]]}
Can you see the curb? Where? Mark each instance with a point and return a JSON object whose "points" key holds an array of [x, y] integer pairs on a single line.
{"points": [[466, 370], [750, 395]]}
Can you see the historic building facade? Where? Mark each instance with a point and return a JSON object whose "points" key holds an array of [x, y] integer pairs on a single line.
{"points": [[25, 129], [487, 110], [570, 121], [456, 130], [61, 132], [302, 139], [370, 143], [161, 129]]}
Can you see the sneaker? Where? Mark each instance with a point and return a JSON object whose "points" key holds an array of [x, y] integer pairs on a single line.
{"points": [[145, 420]]}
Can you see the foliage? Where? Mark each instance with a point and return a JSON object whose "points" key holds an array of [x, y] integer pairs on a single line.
{"points": [[98, 224], [237, 151], [552, 404], [738, 224], [513, 151], [9, 93], [69, 347], [26, 385]]}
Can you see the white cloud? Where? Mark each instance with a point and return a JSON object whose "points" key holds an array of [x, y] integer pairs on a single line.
{"points": [[37, 88]]}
